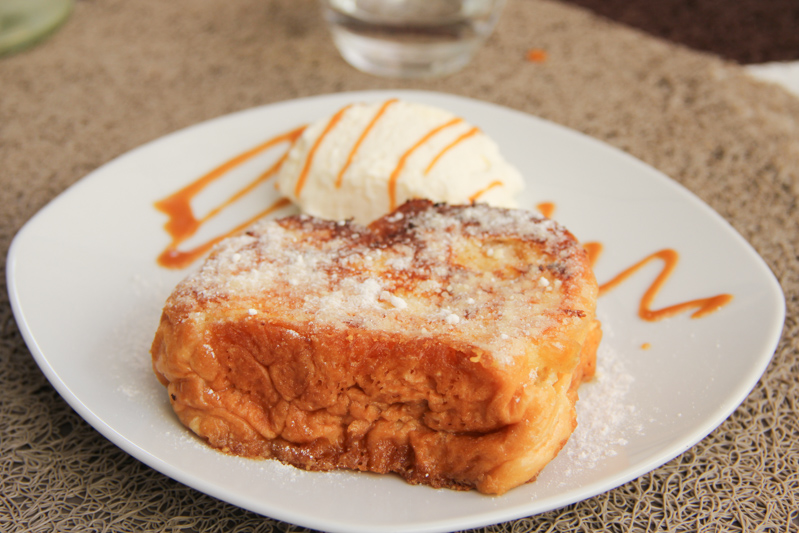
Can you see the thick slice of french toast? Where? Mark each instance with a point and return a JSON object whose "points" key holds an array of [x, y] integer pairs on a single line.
{"points": [[442, 343]]}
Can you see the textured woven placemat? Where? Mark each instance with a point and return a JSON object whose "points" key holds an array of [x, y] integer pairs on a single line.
{"points": [[121, 73]]}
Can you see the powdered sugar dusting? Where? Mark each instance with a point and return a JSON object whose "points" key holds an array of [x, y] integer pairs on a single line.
{"points": [[605, 419], [483, 273]]}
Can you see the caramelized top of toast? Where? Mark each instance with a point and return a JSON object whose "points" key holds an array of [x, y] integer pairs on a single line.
{"points": [[495, 282]]}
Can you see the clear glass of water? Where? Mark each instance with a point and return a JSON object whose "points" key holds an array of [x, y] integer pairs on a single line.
{"points": [[410, 38]]}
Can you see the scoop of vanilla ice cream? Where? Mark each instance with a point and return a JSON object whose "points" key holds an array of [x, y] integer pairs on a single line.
{"points": [[367, 159]]}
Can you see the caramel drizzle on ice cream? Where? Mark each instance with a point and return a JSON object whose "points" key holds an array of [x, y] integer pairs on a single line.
{"points": [[451, 145], [357, 145], [309, 160], [496, 183], [392, 180], [395, 174]]}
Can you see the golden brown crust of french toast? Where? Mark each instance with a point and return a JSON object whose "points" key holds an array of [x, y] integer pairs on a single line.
{"points": [[442, 343]]}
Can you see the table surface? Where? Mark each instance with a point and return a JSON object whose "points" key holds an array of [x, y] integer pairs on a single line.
{"points": [[119, 74]]}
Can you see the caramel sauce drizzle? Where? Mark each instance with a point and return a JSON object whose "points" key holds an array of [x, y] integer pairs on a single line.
{"points": [[473, 198], [670, 258], [171, 257], [546, 208], [182, 222], [357, 145], [309, 160], [392, 181], [593, 250], [451, 145]]}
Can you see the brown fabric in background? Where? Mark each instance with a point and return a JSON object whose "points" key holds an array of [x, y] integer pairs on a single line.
{"points": [[122, 73], [746, 31]]}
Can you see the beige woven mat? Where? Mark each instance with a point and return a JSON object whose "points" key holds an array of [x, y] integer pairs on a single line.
{"points": [[121, 73]]}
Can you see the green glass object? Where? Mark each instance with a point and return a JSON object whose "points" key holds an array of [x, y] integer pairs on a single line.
{"points": [[23, 23]]}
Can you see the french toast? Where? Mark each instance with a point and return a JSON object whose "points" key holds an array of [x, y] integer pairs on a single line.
{"points": [[442, 343]]}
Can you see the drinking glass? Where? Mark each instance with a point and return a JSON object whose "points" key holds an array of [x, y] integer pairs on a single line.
{"points": [[410, 38]]}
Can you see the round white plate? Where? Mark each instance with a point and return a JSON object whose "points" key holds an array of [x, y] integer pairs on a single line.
{"points": [[87, 294]]}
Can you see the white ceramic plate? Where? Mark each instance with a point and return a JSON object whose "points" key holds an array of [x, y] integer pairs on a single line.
{"points": [[87, 293]]}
